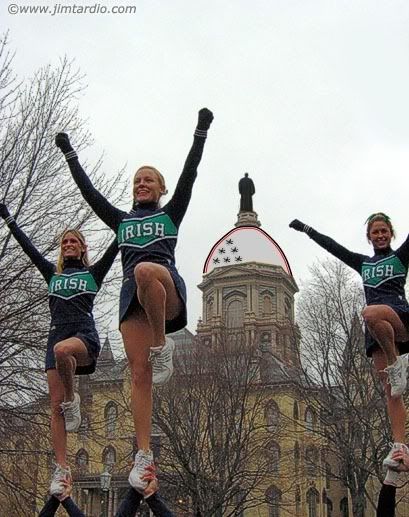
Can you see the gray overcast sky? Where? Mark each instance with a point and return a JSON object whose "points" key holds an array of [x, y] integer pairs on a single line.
{"points": [[309, 97]]}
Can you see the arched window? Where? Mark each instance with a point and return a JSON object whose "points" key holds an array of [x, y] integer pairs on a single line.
{"points": [[311, 459], [209, 309], [343, 506], [84, 427], [272, 416], [273, 498], [309, 419], [235, 314], [288, 309], [109, 457], [296, 413], [312, 502], [274, 453], [82, 460], [267, 305], [111, 415], [296, 456]]}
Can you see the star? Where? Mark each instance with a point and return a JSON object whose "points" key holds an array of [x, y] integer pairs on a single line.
{"points": [[226, 259], [216, 260], [229, 241], [222, 250], [234, 250], [238, 258]]}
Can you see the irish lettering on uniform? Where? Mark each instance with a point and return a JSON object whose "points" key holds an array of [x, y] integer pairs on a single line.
{"points": [[70, 285], [374, 274], [140, 232]]}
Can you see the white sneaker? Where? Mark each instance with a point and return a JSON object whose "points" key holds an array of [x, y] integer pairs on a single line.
{"points": [[60, 474], [142, 460], [388, 461], [397, 375], [391, 477], [162, 363], [72, 414]]}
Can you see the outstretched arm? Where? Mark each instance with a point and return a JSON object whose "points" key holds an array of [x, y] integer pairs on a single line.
{"points": [[177, 206], [349, 258], [101, 206], [101, 268], [45, 267]]}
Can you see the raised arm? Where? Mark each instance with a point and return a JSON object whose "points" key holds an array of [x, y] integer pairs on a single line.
{"points": [[50, 507], [349, 258], [45, 267], [110, 215], [101, 268], [403, 252], [177, 206]]}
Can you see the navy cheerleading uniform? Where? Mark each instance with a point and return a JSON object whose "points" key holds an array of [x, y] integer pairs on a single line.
{"points": [[148, 233], [71, 295], [383, 276]]}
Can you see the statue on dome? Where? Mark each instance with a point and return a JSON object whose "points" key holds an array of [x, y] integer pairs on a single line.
{"points": [[246, 189]]}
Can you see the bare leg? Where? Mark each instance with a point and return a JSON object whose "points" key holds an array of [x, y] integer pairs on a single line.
{"points": [[138, 338], [385, 327], [158, 297], [68, 354], [58, 434], [395, 406]]}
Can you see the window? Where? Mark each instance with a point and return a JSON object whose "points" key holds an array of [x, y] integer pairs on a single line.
{"points": [[309, 419], [329, 507], [288, 309], [267, 305], [296, 413], [82, 460], [235, 314], [273, 497], [111, 415], [209, 309], [327, 475], [312, 502], [311, 459], [296, 456], [84, 427], [18, 464], [272, 416], [239, 500], [109, 458], [297, 500], [343, 506], [274, 453]]}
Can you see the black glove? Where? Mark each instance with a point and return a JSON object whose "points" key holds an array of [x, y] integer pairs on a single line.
{"points": [[63, 142], [4, 211], [205, 119], [299, 226]]}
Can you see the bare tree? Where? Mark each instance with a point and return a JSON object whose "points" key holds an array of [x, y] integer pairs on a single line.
{"points": [[348, 409], [35, 184], [215, 443]]}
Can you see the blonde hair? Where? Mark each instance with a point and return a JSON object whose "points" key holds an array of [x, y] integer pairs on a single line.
{"points": [[160, 177], [84, 254]]}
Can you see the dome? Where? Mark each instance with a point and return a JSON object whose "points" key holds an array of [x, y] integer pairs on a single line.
{"points": [[246, 244]]}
